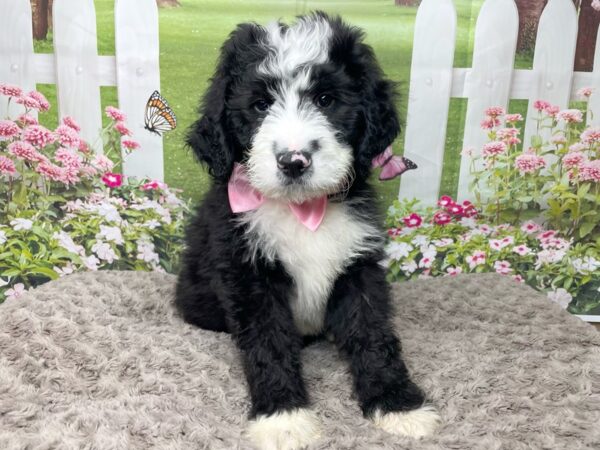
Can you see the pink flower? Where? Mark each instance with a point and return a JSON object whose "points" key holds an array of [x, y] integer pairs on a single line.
{"points": [[546, 235], [585, 92], [513, 118], [596, 5], [122, 129], [530, 227], [28, 102], [426, 262], [541, 105], [88, 171], [70, 122], [413, 221], [70, 175], [442, 218], [67, 136], [112, 180], [8, 129], [130, 145], [590, 171], [115, 114], [495, 111], [490, 122], [38, 136], [570, 115], [573, 159], [591, 135], [528, 163], [51, 171], [494, 148], [455, 209], [83, 147], [17, 291], [502, 267], [469, 209], [522, 250], [445, 200], [102, 163], [155, 184], [577, 147], [7, 166], [26, 151], [518, 278], [559, 139], [476, 259], [43, 103], [10, 90], [68, 158], [509, 136], [26, 119], [552, 111], [453, 271], [499, 244]]}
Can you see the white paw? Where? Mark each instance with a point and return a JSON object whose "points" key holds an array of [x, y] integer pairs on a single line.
{"points": [[416, 423], [290, 430]]}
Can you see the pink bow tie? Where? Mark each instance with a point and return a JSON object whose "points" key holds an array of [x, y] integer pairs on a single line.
{"points": [[243, 197], [391, 165]]}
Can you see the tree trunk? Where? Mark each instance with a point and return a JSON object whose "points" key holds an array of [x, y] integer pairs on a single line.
{"points": [[529, 18], [39, 15], [50, 4], [168, 3], [589, 19]]}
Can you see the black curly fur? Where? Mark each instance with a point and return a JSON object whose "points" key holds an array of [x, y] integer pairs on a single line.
{"points": [[221, 289]]}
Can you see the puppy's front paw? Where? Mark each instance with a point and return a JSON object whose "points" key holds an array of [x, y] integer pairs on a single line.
{"points": [[415, 423], [288, 430]]}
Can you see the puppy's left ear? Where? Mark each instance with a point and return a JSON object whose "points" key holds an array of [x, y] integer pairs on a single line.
{"points": [[381, 124]]}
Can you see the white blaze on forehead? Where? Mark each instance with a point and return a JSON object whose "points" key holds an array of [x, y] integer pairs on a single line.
{"points": [[305, 42]]}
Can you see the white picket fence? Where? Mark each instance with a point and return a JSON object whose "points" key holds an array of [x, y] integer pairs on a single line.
{"points": [[78, 71], [492, 81]]}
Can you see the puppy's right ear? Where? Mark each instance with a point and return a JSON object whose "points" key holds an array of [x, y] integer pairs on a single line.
{"points": [[210, 136]]}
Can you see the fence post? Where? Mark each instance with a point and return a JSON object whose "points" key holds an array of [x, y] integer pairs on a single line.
{"points": [[16, 48], [429, 98], [76, 56], [489, 81], [138, 75], [594, 102], [553, 60]]}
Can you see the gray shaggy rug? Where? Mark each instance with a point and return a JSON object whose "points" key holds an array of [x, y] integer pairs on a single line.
{"points": [[102, 361]]}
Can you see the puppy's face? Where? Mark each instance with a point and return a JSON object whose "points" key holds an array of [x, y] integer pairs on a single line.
{"points": [[304, 108]]}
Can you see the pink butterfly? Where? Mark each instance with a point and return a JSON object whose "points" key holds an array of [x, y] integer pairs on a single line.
{"points": [[392, 165]]}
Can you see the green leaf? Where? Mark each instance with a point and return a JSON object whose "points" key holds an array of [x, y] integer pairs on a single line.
{"points": [[44, 271], [586, 228]]}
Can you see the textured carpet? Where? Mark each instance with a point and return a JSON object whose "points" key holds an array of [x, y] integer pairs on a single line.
{"points": [[101, 361]]}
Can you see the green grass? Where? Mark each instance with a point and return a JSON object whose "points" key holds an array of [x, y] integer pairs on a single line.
{"points": [[190, 38]]}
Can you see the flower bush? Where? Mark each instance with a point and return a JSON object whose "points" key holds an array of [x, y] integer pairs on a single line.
{"points": [[63, 209], [536, 214]]}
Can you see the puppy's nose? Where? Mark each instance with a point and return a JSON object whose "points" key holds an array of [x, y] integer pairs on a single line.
{"points": [[293, 163]]}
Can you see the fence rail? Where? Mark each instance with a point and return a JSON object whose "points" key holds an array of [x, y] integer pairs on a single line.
{"points": [[78, 71], [491, 81]]}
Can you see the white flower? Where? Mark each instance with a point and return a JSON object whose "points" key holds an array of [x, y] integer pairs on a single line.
{"points": [[21, 224], [66, 242], [429, 252], [420, 240], [502, 267], [468, 222], [409, 267], [66, 270], [111, 234], [549, 256], [522, 250], [398, 250], [153, 204], [108, 211], [425, 262], [444, 242], [560, 296], [499, 244], [453, 271], [586, 265], [104, 252], [151, 224], [16, 291], [91, 262], [146, 251], [3, 237]]}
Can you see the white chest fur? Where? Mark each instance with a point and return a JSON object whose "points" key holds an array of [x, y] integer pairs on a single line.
{"points": [[314, 260]]}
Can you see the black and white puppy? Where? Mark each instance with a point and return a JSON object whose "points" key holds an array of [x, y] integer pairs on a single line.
{"points": [[302, 110]]}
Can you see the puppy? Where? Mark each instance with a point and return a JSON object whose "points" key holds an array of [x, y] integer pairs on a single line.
{"points": [[287, 243]]}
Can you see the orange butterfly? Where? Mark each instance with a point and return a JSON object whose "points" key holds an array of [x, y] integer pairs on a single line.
{"points": [[159, 117]]}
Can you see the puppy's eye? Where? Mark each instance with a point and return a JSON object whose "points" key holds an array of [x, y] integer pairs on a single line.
{"points": [[261, 105], [324, 100]]}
